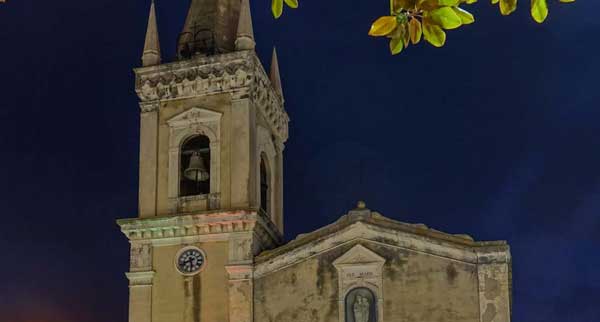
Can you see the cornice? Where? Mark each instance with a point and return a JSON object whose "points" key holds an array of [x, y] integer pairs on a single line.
{"points": [[239, 73], [160, 229]]}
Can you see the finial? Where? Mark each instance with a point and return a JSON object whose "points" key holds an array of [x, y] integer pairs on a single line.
{"points": [[245, 31], [361, 205], [274, 75], [151, 55]]}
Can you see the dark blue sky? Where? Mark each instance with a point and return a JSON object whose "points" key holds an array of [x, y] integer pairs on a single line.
{"points": [[496, 135]]}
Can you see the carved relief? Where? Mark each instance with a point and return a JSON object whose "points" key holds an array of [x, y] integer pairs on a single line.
{"points": [[239, 73], [140, 257], [360, 283]]}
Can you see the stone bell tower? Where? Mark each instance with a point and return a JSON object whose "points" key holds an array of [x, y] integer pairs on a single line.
{"points": [[212, 134]]}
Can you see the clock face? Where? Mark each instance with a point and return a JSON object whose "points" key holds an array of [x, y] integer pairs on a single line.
{"points": [[190, 261]]}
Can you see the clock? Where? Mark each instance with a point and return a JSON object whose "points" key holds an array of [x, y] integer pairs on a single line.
{"points": [[190, 260]]}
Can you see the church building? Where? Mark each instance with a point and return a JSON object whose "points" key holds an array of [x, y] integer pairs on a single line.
{"points": [[208, 243]]}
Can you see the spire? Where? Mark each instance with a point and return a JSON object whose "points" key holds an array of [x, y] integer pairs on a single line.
{"points": [[245, 32], [151, 54], [274, 75], [210, 28]]}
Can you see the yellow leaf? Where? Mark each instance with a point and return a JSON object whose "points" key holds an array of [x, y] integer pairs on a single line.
{"points": [[403, 4], [446, 18], [277, 8], [508, 6], [539, 10], [433, 33], [465, 16], [405, 35], [396, 45], [383, 26], [292, 3], [495, 1], [469, 1], [427, 5], [415, 30], [567, 1]]}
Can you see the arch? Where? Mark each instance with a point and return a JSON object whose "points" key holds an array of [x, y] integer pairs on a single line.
{"points": [[361, 305], [182, 127], [194, 166], [265, 184], [266, 150]]}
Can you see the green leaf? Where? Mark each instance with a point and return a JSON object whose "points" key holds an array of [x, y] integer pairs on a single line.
{"points": [[396, 45], [508, 6], [448, 3], [383, 26], [292, 3], [277, 8], [465, 16], [433, 33], [539, 10], [446, 18]]}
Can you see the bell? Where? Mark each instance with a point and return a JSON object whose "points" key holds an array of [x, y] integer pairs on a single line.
{"points": [[196, 171]]}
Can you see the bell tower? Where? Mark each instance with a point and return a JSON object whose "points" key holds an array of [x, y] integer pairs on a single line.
{"points": [[212, 133]]}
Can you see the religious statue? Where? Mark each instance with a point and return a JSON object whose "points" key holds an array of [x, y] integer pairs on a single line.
{"points": [[361, 309]]}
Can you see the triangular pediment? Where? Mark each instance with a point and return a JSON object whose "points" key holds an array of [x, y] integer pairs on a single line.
{"points": [[194, 115], [358, 255]]}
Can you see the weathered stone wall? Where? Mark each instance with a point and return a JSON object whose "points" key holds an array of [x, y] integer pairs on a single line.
{"points": [[417, 287], [203, 297]]}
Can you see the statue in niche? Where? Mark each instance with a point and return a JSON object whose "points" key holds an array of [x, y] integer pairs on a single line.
{"points": [[361, 306], [361, 309]]}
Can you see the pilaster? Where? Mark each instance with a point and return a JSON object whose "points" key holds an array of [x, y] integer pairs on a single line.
{"points": [[148, 158], [141, 277], [494, 271]]}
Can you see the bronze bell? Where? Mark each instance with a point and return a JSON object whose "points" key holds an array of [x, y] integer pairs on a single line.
{"points": [[196, 171]]}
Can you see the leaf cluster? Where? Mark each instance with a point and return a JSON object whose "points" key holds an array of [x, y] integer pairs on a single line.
{"points": [[411, 20], [277, 6]]}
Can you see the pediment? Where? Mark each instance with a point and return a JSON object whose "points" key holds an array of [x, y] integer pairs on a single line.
{"points": [[358, 255], [194, 115]]}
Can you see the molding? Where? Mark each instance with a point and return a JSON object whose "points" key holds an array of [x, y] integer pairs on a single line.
{"points": [[140, 278], [359, 268], [219, 225], [265, 145], [239, 73], [150, 106], [239, 272], [194, 121], [287, 255]]}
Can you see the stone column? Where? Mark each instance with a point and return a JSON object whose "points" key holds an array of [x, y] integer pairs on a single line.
{"points": [[494, 274]]}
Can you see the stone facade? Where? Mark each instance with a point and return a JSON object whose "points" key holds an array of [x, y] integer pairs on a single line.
{"points": [[218, 255]]}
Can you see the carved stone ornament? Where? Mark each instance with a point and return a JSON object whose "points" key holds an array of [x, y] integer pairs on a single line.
{"points": [[238, 73], [360, 283], [140, 257]]}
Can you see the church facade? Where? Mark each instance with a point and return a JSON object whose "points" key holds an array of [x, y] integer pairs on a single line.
{"points": [[208, 246]]}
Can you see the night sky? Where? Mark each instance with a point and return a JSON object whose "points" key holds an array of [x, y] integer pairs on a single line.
{"points": [[496, 135]]}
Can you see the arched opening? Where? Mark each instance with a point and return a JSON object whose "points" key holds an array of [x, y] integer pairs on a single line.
{"points": [[265, 189], [361, 305], [194, 173]]}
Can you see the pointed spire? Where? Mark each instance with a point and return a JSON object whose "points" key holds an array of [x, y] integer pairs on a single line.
{"points": [[274, 75], [151, 54], [245, 31]]}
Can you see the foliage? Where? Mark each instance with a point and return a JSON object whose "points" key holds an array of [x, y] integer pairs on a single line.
{"points": [[412, 20]]}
